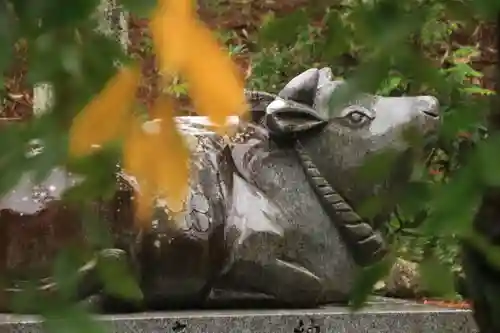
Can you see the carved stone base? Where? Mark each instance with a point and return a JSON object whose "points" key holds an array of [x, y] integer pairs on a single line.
{"points": [[382, 315]]}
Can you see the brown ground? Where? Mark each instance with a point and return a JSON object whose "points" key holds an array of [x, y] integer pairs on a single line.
{"points": [[18, 100], [242, 17]]}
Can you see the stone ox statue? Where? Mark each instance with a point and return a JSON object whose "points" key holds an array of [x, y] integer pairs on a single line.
{"points": [[271, 215]]}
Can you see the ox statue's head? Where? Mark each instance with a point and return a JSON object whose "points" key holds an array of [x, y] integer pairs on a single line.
{"points": [[348, 134]]}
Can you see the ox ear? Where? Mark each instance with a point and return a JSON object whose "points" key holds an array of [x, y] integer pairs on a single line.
{"points": [[302, 88], [289, 119]]}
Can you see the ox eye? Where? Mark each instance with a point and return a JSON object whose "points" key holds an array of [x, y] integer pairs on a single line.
{"points": [[357, 118]]}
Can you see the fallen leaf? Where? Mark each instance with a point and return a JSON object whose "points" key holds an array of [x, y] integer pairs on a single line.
{"points": [[105, 117]]}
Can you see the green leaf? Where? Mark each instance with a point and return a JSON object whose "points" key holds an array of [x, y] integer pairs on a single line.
{"points": [[28, 300], [284, 30], [366, 280], [487, 8], [13, 156], [71, 60], [53, 140], [56, 13], [387, 24], [140, 8], [70, 318], [372, 206], [460, 118], [454, 204], [465, 52], [117, 277], [96, 229], [66, 275], [377, 166], [337, 36], [8, 35], [488, 160], [461, 72], [389, 85], [98, 182], [415, 197], [478, 91], [436, 277], [480, 243]]}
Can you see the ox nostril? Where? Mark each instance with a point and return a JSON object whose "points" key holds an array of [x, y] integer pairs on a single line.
{"points": [[428, 105]]}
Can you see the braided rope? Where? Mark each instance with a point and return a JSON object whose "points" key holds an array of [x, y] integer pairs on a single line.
{"points": [[366, 245]]}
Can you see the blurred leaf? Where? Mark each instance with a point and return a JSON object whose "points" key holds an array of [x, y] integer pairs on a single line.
{"points": [[454, 204], [61, 317], [55, 14], [488, 160], [487, 8], [371, 207], [377, 166], [459, 119], [159, 171], [414, 64], [27, 301], [117, 277], [366, 280], [66, 274], [284, 30], [366, 79], [13, 158], [337, 35], [105, 117], [96, 229], [141, 8], [216, 96], [461, 72], [44, 16], [464, 54], [389, 85], [8, 37], [415, 197], [94, 183], [459, 10], [477, 90], [414, 138], [170, 25], [387, 23], [480, 243], [436, 277], [71, 60], [52, 146]]}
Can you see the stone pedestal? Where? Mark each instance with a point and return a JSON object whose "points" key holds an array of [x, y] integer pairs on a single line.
{"points": [[380, 316]]}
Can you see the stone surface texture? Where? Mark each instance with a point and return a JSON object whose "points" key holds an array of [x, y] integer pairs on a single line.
{"points": [[381, 316]]}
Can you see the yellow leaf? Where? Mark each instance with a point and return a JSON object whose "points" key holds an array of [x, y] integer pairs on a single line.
{"points": [[105, 117], [156, 155], [173, 160], [169, 28], [183, 44], [215, 86]]}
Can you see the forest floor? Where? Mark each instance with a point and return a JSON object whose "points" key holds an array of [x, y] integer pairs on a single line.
{"points": [[239, 17]]}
